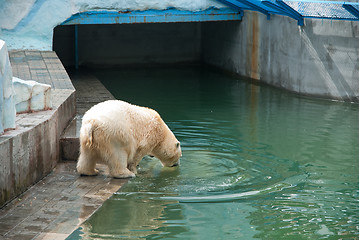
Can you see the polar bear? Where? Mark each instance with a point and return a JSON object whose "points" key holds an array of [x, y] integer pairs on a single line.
{"points": [[120, 134]]}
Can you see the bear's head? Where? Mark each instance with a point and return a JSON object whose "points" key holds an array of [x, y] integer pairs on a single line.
{"points": [[169, 151]]}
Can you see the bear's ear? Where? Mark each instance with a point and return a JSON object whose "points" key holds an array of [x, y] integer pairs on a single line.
{"points": [[177, 145]]}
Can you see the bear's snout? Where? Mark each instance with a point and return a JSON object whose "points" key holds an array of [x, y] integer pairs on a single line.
{"points": [[176, 163]]}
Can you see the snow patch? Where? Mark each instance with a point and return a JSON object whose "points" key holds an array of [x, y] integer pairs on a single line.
{"points": [[29, 24]]}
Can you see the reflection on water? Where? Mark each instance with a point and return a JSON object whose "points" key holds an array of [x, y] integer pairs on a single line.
{"points": [[257, 163]]}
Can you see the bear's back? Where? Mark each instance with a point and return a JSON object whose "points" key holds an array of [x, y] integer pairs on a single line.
{"points": [[120, 114]]}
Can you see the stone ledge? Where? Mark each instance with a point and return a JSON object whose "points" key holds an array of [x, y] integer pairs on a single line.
{"points": [[31, 151]]}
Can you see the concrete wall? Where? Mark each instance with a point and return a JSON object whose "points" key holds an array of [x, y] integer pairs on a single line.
{"points": [[319, 59], [154, 43]]}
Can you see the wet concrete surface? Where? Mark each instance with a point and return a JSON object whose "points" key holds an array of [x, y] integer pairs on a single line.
{"points": [[57, 205]]}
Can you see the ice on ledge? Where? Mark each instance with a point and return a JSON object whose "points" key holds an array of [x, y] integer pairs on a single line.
{"points": [[7, 106], [31, 96]]}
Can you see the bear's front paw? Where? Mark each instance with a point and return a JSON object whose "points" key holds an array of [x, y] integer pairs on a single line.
{"points": [[132, 168], [126, 174]]}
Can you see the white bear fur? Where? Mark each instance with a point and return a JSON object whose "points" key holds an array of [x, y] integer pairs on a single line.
{"points": [[120, 134]]}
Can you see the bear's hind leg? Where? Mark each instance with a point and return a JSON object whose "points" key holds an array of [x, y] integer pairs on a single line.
{"points": [[87, 162], [117, 165]]}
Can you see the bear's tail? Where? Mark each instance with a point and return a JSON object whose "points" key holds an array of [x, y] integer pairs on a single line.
{"points": [[87, 130]]}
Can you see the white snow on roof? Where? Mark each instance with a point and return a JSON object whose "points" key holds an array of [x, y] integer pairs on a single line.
{"points": [[29, 24]]}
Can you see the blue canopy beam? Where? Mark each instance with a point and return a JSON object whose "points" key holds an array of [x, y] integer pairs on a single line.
{"points": [[300, 9], [351, 9], [273, 6], [152, 16], [255, 7], [280, 10], [232, 4], [291, 12]]}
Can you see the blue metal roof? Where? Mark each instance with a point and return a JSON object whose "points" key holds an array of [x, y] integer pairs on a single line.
{"points": [[299, 9], [153, 16]]}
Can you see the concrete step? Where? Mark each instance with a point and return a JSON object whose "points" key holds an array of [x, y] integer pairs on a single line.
{"points": [[89, 92], [69, 141]]}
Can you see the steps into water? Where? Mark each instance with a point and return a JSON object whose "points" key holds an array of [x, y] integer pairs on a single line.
{"points": [[69, 141]]}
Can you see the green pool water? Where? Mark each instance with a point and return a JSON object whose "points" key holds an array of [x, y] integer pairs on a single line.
{"points": [[258, 162]]}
